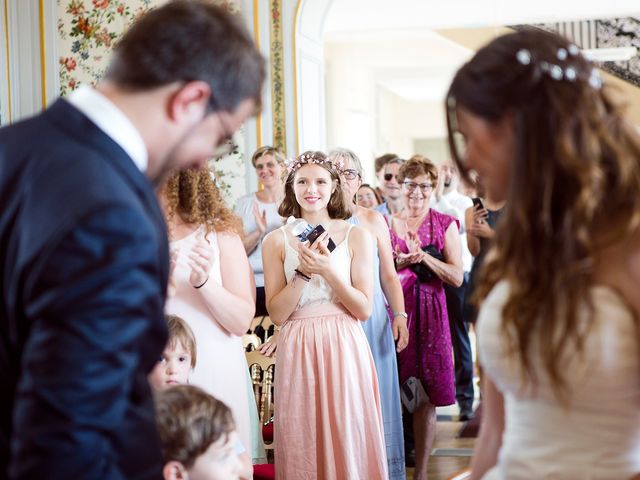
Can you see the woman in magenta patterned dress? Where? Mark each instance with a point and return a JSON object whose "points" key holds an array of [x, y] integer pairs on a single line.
{"points": [[419, 235]]}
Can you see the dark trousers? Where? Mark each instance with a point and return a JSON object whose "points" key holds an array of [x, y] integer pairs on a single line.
{"points": [[462, 356], [261, 308]]}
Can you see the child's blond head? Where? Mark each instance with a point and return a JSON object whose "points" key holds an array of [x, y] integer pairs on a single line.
{"points": [[179, 332]]}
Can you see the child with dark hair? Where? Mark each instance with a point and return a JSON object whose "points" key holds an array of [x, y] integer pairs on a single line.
{"points": [[198, 435]]}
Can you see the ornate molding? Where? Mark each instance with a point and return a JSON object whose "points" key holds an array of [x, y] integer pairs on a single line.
{"points": [[277, 77], [603, 33]]}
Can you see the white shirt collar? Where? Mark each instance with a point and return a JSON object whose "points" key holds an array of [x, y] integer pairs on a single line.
{"points": [[112, 122]]}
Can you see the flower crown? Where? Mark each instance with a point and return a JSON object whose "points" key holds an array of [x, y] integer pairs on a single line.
{"points": [[561, 67], [312, 158]]}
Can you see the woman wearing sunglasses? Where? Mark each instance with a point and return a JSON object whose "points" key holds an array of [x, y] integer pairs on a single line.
{"points": [[428, 254]]}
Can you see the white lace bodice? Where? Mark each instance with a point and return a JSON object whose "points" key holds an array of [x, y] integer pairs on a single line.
{"points": [[317, 291]]}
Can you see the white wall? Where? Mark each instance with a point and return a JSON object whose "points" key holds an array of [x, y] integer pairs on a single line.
{"points": [[385, 92]]}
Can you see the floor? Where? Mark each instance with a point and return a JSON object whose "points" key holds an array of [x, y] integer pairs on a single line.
{"points": [[450, 454]]}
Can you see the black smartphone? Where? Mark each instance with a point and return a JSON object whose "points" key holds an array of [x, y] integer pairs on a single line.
{"points": [[315, 233], [477, 202]]}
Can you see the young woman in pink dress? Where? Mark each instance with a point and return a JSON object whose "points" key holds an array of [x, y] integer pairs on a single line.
{"points": [[328, 421]]}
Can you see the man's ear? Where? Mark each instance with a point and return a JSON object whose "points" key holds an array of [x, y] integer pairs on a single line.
{"points": [[174, 470], [189, 102]]}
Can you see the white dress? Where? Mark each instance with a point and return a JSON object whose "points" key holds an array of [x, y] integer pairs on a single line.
{"points": [[221, 366], [244, 209], [598, 435]]}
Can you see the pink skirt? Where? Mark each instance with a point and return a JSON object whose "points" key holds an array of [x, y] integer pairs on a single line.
{"points": [[328, 421]]}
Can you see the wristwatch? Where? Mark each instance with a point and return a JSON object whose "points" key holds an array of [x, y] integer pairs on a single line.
{"points": [[401, 314]]}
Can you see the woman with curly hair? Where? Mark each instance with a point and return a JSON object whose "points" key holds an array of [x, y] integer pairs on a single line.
{"points": [[558, 329], [212, 291]]}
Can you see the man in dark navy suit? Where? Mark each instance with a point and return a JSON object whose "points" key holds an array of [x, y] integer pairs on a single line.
{"points": [[84, 248]]}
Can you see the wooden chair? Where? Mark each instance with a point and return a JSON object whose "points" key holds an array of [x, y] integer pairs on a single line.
{"points": [[262, 327], [250, 342], [262, 370]]}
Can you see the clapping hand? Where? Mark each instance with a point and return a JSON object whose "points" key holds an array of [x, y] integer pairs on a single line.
{"points": [[200, 261], [414, 244], [260, 218], [405, 259], [173, 258]]}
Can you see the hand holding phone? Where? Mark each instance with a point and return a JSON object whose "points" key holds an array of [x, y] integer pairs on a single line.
{"points": [[477, 202], [315, 233]]}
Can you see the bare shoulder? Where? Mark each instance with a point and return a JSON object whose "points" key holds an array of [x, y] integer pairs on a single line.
{"points": [[229, 241], [374, 222], [358, 237], [273, 239]]}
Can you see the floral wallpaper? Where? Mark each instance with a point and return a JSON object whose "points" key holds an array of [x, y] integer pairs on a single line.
{"points": [[87, 32]]}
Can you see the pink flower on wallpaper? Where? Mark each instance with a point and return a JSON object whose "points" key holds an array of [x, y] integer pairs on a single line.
{"points": [[75, 7], [69, 63], [101, 3], [103, 37], [120, 8], [72, 84]]}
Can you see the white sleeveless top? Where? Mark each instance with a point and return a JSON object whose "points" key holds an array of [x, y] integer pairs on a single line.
{"points": [[598, 435], [317, 291], [221, 367]]}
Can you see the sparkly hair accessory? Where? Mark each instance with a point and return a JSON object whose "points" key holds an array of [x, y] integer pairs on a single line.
{"points": [[559, 72], [312, 158]]}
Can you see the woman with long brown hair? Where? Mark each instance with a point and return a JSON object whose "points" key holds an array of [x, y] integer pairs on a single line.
{"points": [[328, 422], [211, 287], [557, 330]]}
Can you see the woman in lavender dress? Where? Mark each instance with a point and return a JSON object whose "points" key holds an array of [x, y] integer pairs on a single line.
{"points": [[428, 355]]}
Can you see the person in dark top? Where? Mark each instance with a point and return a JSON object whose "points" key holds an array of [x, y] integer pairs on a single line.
{"points": [[83, 243]]}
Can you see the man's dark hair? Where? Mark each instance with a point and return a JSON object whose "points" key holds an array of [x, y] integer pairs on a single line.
{"points": [[188, 40], [381, 161]]}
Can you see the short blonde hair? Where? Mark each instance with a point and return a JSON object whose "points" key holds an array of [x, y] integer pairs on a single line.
{"points": [[268, 150], [179, 331]]}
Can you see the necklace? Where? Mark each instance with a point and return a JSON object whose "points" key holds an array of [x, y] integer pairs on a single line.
{"points": [[414, 225]]}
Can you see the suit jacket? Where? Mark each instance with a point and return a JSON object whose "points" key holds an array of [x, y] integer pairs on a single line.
{"points": [[83, 276]]}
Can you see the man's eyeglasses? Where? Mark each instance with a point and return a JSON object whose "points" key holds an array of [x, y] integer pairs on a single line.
{"points": [[388, 176], [350, 174], [424, 187], [225, 144]]}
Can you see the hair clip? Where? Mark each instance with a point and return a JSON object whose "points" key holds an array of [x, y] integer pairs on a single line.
{"points": [[570, 74], [555, 72], [558, 72], [524, 56], [595, 80]]}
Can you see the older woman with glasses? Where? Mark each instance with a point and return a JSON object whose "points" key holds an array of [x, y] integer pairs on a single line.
{"points": [[259, 212], [380, 328], [428, 254]]}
